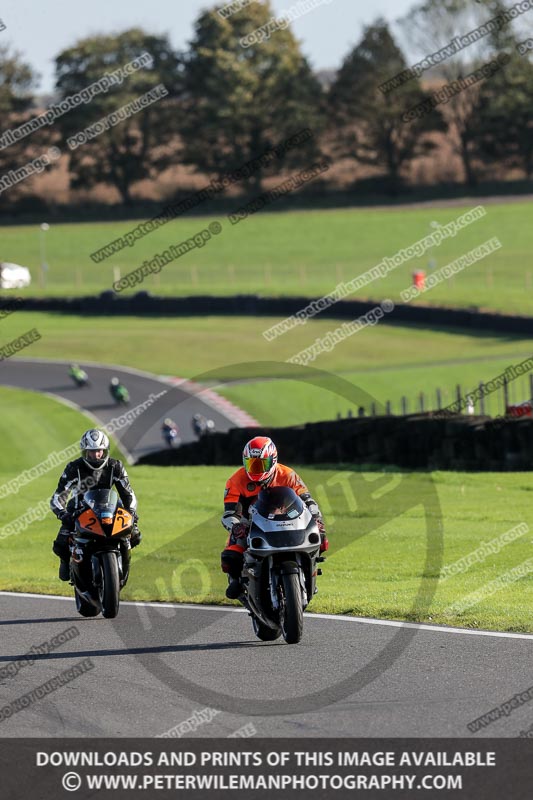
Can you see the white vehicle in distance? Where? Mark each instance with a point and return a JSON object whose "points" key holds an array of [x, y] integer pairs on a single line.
{"points": [[13, 276]]}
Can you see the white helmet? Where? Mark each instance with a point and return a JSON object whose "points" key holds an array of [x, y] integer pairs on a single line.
{"points": [[94, 440]]}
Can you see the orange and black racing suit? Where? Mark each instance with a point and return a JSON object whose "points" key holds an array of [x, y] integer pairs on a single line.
{"points": [[240, 493]]}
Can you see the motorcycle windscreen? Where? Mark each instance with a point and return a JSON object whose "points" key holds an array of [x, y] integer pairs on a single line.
{"points": [[279, 503], [103, 502]]}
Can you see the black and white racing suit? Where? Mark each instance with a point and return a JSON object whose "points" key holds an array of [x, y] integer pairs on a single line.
{"points": [[78, 478]]}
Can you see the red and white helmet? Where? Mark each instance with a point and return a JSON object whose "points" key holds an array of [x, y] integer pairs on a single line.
{"points": [[259, 459]]}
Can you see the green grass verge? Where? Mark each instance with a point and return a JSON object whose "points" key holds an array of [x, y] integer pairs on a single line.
{"points": [[293, 253], [379, 560], [386, 361]]}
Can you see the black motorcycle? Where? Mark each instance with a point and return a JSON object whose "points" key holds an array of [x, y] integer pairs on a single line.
{"points": [[100, 553], [280, 564]]}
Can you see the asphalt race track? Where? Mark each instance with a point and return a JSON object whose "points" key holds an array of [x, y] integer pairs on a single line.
{"points": [[154, 666], [52, 377]]}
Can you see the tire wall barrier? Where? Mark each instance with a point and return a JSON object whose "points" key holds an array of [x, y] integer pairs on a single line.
{"points": [[410, 442], [142, 303]]}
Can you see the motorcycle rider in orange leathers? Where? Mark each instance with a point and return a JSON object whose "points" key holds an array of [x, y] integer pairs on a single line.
{"points": [[260, 469]]}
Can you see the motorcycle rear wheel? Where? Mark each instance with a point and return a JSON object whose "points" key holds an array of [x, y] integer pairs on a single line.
{"points": [[263, 632], [109, 591], [292, 615]]}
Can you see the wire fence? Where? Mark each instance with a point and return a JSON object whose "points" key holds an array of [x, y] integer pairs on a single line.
{"points": [[513, 399]]}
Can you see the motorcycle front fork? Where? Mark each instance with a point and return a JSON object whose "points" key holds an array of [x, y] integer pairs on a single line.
{"points": [[274, 583], [77, 554]]}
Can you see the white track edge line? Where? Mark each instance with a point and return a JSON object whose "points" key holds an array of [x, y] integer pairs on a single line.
{"points": [[420, 626]]}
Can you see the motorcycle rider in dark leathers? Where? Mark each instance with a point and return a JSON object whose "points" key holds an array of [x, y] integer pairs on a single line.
{"points": [[93, 470]]}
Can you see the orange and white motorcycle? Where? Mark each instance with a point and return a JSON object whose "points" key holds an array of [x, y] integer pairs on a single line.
{"points": [[100, 553]]}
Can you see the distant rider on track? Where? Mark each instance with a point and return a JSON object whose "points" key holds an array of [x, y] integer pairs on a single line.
{"points": [[118, 391]]}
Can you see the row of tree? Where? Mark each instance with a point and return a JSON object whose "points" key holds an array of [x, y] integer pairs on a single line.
{"points": [[227, 104]]}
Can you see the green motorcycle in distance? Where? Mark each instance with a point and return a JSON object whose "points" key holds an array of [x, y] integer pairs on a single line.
{"points": [[119, 393], [78, 375]]}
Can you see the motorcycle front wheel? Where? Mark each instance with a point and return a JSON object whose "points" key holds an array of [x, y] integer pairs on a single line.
{"points": [[291, 614], [110, 588]]}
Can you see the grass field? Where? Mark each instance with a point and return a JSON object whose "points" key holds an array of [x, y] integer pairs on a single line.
{"points": [[296, 253], [386, 361], [382, 561]]}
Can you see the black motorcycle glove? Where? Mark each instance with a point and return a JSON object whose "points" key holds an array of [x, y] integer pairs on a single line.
{"points": [[135, 538], [68, 520], [239, 532]]}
